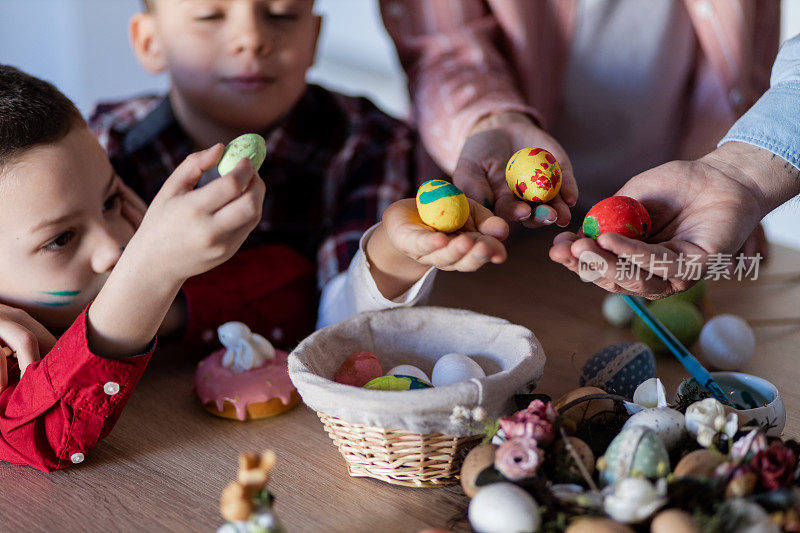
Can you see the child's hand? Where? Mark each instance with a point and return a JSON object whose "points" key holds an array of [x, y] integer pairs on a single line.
{"points": [[187, 231], [22, 336], [475, 244]]}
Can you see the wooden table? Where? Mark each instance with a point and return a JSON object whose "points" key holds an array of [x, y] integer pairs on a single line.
{"points": [[165, 464]]}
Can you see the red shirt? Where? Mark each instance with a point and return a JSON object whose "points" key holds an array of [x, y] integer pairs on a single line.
{"points": [[71, 399]]}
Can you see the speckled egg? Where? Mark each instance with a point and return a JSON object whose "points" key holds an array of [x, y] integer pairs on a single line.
{"points": [[619, 368], [668, 424], [409, 370], [504, 508], [359, 368], [674, 521], [597, 524], [453, 368], [250, 145], [533, 174], [397, 383], [727, 342], [442, 205], [698, 463], [477, 460], [618, 214], [636, 451], [584, 410], [681, 318]]}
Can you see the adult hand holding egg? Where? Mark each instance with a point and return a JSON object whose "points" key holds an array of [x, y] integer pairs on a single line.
{"points": [[697, 208]]}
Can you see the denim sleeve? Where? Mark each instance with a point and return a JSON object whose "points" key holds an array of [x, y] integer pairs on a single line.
{"points": [[773, 123]]}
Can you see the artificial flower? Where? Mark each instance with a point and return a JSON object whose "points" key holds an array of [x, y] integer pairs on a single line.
{"points": [[635, 499], [749, 445], [774, 466], [518, 458], [535, 422], [707, 418]]}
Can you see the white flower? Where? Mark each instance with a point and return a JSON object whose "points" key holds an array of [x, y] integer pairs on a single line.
{"points": [[650, 393], [479, 414], [460, 416], [706, 418], [752, 443], [635, 499]]}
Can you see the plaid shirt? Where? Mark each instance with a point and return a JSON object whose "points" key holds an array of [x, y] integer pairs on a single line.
{"points": [[334, 164]]}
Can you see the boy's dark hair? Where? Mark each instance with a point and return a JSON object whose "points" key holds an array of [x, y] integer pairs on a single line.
{"points": [[147, 5], [32, 112]]}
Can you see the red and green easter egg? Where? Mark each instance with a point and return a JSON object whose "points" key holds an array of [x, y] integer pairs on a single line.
{"points": [[442, 205], [359, 368], [533, 174], [618, 214]]}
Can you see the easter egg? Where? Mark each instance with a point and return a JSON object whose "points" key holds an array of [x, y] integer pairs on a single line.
{"points": [[409, 370], [250, 145], [504, 508], [533, 174], [618, 214], [674, 521], [727, 342], [453, 368], [619, 368], [681, 318], [396, 383], [358, 369], [616, 312], [442, 205], [636, 451], [583, 410], [596, 524], [565, 469], [477, 460], [698, 463], [668, 424]]}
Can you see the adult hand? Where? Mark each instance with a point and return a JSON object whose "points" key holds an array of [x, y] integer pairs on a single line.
{"points": [[480, 170], [697, 208]]}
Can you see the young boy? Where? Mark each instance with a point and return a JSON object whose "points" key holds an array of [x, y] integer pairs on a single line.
{"points": [[334, 163], [72, 261]]}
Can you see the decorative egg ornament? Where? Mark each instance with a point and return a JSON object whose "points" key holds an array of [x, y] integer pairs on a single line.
{"points": [[442, 205], [618, 214], [397, 383], [619, 368], [681, 318], [533, 174], [504, 508], [727, 342], [250, 145], [635, 451], [668, 424], [453, 368], [358, 369]]}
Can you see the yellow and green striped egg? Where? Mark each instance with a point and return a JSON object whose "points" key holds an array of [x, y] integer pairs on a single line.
{"points": [[442, 205]]}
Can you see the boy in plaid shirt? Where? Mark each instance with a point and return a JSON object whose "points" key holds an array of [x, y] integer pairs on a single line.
{"points": [[335, 166]]}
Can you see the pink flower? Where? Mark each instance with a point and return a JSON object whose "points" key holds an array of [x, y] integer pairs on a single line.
{"points": [[535, 422], [518, 458], [773, 466]]}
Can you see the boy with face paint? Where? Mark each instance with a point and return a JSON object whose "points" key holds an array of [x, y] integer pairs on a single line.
{"points": [[335, 165], [79, 258]]}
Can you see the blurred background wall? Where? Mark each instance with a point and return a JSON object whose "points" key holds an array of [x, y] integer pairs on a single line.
{"points": [[82, 46]]}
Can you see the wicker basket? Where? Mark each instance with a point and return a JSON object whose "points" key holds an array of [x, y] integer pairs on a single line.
{"points": [[407, 437], [397, 456]]}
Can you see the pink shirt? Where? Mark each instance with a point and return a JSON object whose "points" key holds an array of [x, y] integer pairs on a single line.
{"points": [[469, 58]]}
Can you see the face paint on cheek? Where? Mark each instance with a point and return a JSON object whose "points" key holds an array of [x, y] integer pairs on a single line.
{"points": [[61, 298]]}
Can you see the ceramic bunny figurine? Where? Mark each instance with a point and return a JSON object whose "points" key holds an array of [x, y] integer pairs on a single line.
{"points": [[245, 349]]}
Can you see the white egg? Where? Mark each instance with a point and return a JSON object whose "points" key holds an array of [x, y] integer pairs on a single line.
{"points": [[727, 342], [409, 370], [504, 508], [454, 367], [668, 424], [616, 311]]}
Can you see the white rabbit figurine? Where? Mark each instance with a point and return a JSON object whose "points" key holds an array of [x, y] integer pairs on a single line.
{"points": [[245, 349]]}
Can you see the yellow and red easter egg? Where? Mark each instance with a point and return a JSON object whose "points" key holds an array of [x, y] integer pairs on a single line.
{"points": [[618, 214], [533, 174], [442, 205]]}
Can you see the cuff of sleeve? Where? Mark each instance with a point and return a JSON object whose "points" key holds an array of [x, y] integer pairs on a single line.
{"points": [[417, 293], [773, 123], [87, 381]]}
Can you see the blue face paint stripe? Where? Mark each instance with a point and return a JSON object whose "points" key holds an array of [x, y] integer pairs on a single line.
{"points": [[55, 304], [448, 189], [61, 293]]}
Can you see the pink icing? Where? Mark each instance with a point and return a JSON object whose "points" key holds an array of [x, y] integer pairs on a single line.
{"points": [[215, 383]]}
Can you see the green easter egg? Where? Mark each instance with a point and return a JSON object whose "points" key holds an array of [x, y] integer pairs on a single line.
{"points": [[635, 451], [681, 318], [250, 145], [397, 383], [695, 295]]}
